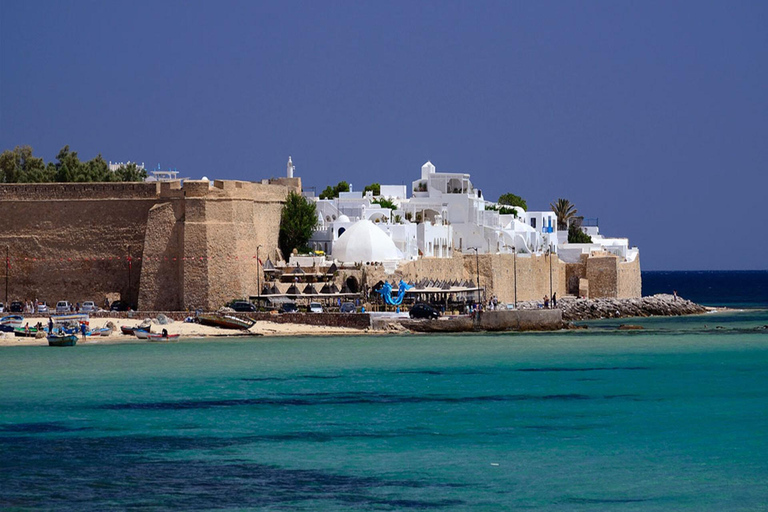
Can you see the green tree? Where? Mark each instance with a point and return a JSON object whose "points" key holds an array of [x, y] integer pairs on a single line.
{"points": [[577, 236], [20, 166], [68, 168], [331, 192], [511, 199], [385, 203], [297, 223], [565, 211], [504, 210], [373, 187], [131, 172]]}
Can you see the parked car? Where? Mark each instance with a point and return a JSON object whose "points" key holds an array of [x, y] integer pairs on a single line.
{"points": [[16, 307], [422, 310], [289, 307], [315, 307], [63, 307], [119, 305], [242, 306], [42, 307], [89, 307], [348, 307]]}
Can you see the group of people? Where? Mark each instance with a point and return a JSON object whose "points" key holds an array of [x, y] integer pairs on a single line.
{"points": [[553, 303]]}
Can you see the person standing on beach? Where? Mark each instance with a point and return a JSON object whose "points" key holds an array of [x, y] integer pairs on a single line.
{"points": [[674, 294], [554, 300], [82, 329], [546, 302]]}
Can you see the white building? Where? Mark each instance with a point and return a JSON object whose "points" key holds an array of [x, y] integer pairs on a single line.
{"points": [[445, 213]]}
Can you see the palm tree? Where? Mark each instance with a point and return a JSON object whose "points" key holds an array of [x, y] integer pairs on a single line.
{"points": [[565, 211]]}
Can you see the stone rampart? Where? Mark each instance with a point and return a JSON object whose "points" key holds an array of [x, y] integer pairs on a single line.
{"points": [[351, 320], [524, 277], [159, 246]]}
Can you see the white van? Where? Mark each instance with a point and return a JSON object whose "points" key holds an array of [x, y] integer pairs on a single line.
{"points": [[62, 307]]}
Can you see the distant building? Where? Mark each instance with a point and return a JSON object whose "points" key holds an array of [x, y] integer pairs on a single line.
{"points": [[113, 166], [445, 213]]}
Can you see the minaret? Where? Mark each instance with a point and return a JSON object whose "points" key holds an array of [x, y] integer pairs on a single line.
{"points": [[291, 168]]}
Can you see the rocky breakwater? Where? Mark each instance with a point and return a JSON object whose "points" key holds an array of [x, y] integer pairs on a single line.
{"points": [[654, 305]]}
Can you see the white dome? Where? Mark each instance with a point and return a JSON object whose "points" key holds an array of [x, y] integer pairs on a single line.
{"points": [[364, 242], [342, 218]]}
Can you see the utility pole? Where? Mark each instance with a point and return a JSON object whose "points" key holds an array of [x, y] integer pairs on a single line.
{"points": [[550, 271], [477, 270], [7, 271], [514, 269], [258, 275]]}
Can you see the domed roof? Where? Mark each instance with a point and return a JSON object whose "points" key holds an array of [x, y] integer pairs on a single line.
{"points": [[363, 242], [342, 218]]}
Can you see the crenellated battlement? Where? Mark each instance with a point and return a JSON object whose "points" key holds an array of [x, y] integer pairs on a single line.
{"points": [[167, 244]]}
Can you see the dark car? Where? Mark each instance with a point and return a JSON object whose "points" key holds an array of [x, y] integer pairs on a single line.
{"points": [[289, 307], [16, 307], [423, 311], [348, 307], [119, 305], [242, 306]]}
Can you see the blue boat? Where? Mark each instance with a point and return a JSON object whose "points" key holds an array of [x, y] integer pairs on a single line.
{"points": [[62, 340], [10, 322]]}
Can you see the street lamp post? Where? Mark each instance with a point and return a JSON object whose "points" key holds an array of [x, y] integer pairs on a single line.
{"points": [[258, 278], [477, 270], [7, 271], [550, 271], [514, 270]]}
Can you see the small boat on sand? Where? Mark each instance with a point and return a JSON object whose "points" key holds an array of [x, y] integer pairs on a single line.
{"points": [[131, 331], [225, 321], [10, 323], [162, 337], [141, 334], [62, 340], [21, 332]]}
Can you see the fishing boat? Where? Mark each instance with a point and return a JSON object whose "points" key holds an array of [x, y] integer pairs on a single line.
{"points": [[21, 332], [62, 340], [10, 323], [141, 334], [131, 331], [162, 337], [225, 321]]}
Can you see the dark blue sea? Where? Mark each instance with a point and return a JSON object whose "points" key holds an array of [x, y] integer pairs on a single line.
{"points": [[740, 289], [672, 417]]}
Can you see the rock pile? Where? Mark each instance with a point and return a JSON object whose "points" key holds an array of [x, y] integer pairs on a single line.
{"points": [[593, 309]]}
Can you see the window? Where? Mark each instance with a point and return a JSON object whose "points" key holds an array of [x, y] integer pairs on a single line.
{"points": [[533, 222]]}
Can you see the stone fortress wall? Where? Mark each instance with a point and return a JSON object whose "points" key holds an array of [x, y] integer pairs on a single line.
{"points": [[602, 275], [164, 247], [160, 246]]}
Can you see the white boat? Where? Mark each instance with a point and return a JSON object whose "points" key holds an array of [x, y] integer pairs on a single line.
{"points": [[141, 334], [10, 323]]}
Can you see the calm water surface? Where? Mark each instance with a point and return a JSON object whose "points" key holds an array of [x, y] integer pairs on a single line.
{"points": [[674, 417]]}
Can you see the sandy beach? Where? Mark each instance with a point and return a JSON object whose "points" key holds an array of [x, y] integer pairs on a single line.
{"points": [[186, 330]]}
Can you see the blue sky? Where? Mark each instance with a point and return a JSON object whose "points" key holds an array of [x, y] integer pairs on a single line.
{"points": [[651, 116]]}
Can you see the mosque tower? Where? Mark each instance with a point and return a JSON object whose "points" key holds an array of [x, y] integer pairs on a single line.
{"points": [[291, 168]]}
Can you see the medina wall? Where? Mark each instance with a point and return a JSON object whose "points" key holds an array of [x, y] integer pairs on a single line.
{"points": [[527, 277], [72, 241], [158, 246]]}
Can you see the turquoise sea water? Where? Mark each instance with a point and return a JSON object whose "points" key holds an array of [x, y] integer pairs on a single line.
{"points": [[674, 417]]}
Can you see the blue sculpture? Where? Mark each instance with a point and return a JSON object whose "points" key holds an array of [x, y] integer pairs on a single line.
{"points": [[386, 292]]}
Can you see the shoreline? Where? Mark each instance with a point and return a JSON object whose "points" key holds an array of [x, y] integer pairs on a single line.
{"points": [[573, 310], [186, 330]]}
